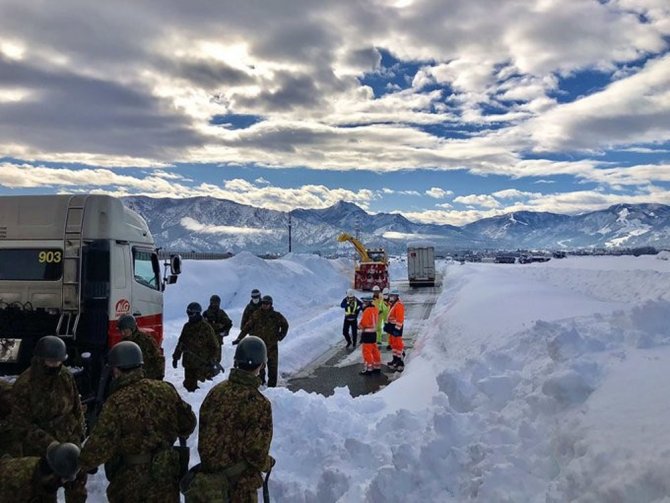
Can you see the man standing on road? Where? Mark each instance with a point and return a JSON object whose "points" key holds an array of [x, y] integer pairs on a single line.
{"points": [[352, 306], [396, 321], [199, 346], [253, 306], [133, 436], [235, 432], [368, 326], [271, 326], [154, 361], [219, 320], [382, 308], [46, 407]]}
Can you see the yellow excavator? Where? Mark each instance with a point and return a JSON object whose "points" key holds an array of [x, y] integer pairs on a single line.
{"points": [[372, 267]]}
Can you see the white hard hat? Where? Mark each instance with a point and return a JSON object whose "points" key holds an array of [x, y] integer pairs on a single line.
{"points": [[385, 291], [375, 288], [350, 293]]}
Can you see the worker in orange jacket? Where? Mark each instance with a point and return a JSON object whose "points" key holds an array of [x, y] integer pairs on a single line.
{"points": [[394, 326], [372, 357]]}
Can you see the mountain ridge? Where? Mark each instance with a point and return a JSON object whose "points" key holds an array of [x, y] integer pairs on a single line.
{"points": [[206, 224]]}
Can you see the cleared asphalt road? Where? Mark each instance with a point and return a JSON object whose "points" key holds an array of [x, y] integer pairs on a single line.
{"points": [[340, 367]]}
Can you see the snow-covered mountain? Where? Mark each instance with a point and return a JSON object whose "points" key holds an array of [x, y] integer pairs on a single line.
{"points": [[215, 225]]}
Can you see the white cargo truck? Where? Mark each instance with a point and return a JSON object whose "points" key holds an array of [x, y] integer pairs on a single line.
{"points": [[421, 264], [70, 266]]}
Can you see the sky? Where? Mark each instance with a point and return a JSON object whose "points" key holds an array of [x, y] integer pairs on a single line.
{"points": [[444, 111], [534, 383]]}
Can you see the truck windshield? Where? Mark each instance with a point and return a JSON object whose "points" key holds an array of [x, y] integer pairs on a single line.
{"points": [[31, 264]]}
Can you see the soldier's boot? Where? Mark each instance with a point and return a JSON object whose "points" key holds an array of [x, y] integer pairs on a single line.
{"points": [[393, 362], [400, 366], [366, 372]]}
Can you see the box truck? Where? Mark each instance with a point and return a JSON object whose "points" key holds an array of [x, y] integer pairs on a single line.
{"points": [[70, 266], [421, 264]]}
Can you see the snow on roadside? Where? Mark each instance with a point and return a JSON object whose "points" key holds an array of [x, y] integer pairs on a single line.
{"points": [[539, 382]]}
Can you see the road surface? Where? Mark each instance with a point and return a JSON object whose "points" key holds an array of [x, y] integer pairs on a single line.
{"points": [[340, 367]]}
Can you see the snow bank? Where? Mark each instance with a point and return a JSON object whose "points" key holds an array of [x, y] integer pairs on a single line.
{"points": [[533, 383]]}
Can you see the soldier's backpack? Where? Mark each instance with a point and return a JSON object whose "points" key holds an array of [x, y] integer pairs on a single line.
{"points": [[200, 487]]}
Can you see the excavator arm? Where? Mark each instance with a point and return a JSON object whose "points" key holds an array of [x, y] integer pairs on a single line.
{"points": [[357, 244]]}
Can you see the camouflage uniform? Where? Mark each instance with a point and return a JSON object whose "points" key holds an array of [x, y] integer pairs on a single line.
{"points": [[139, 422], [19, 481], [46, 408], [154, 361], [236, 425], [198, 344], [271, 326], [250, 309], [8, 442], [221, 324]]}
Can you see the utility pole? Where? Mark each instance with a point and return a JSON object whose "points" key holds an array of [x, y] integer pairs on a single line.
{"points": [[289, 231]]}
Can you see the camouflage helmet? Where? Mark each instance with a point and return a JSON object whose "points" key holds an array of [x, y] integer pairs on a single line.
{"points": [[266, 299], [51, 347], [127, 321], [256, 293], [125, 355], [193, 308], [215, 299], [63, 459], [250, 353]]}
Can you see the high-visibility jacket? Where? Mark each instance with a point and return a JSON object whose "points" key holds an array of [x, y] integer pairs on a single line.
{"points": [[397, 313], [369, 318]]}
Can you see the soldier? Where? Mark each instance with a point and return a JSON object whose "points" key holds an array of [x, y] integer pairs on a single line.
{"points": [[154, 361], [37, 479], [271, 326], [253, 306], [46, 407], [235, 430], [199, 346], [219, 321], [8, 443], [133, 436]]}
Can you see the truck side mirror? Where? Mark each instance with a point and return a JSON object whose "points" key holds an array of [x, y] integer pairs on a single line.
{"points": [[175, 266]]}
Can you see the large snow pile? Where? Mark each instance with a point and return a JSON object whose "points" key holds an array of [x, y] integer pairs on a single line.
{"points": [[534, 383]]}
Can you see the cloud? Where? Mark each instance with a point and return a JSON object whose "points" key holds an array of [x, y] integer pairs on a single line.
{"points": [[438, 193], [481, 200], [193, 225]]}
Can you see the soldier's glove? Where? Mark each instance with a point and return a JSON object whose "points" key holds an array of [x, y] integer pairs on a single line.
{"points": [[175, 362], [235, 342]]}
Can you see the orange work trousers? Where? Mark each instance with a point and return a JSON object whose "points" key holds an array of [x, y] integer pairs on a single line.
{"points": [[372, 357]]}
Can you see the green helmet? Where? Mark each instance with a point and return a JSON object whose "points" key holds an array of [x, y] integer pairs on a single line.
{"points": [[125, 355], [51, 347], [250, 353], [126, 321], [215, 300], [63, 459]]}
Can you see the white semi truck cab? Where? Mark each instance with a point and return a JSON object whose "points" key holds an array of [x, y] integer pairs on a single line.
{"points": [[71, 265]]}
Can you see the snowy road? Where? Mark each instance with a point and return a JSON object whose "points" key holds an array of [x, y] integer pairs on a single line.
{"points": [[338, 367]]}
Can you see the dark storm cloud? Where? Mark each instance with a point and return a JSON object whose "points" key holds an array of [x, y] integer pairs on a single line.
{"points": [[65, 112]]}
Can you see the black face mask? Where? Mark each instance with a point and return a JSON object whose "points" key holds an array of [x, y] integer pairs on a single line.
{"points": [[51, 371]]}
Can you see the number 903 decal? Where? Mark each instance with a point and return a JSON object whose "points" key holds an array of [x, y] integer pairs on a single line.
{"points": [[49, 257]]}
